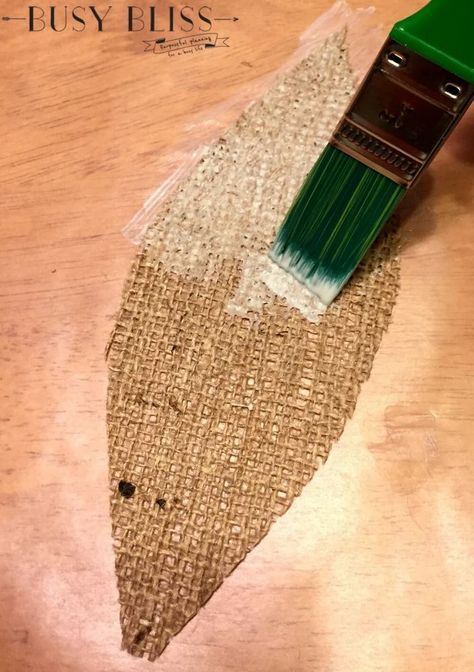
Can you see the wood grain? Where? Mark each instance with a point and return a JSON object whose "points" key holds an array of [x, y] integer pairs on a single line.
{"points": [[372, 567]]}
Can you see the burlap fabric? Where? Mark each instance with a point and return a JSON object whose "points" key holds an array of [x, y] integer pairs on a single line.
{"points": [[215, 420]]}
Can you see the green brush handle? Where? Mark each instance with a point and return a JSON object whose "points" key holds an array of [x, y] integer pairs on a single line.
{"points": [[443, 33]]}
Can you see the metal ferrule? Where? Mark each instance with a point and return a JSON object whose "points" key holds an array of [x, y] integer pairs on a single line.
{"points": [[402, 113]]}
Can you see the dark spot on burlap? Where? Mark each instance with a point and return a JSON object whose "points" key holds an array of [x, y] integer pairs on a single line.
{"points": [[126, 489]]}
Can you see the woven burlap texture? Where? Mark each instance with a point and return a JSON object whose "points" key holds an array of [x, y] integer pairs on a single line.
{"points": [[219, 419]]}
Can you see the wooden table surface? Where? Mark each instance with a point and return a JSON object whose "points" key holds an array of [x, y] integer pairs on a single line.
{"points": [[371, 569]]}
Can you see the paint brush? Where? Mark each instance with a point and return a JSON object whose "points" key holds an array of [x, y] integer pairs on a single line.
{"points": [[419, 86]]}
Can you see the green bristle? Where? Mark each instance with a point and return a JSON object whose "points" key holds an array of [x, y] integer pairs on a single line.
{"points": [[334, 219]]}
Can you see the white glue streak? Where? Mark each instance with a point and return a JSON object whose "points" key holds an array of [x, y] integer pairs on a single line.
{"points": [[261, 280]]}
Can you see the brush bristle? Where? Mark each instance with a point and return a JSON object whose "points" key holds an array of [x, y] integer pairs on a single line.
{"points": [[334, 219]]}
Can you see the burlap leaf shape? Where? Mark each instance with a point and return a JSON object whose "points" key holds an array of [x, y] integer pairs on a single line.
{"points": [[217, 420]]}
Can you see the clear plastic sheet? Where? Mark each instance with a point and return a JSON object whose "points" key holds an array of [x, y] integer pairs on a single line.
{"points": [[364, 38]]}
